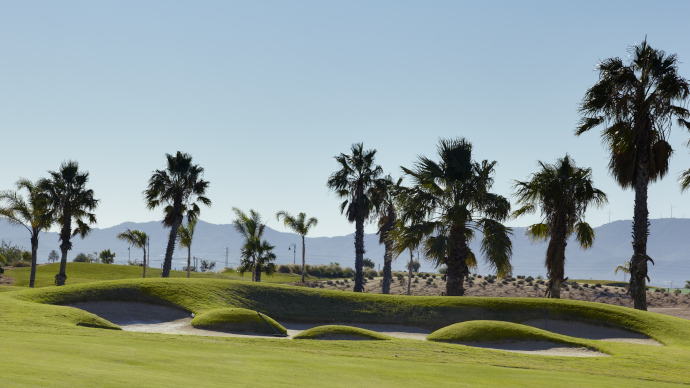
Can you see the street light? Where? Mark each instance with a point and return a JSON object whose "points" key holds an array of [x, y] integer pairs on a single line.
{"points": [[129, 256], [294, 252]]}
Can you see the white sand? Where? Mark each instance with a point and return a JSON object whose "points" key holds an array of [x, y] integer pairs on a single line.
{"points": [[544, 348], [594, 332]]}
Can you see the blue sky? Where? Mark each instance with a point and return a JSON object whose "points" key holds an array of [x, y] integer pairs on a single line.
{"points": [[264, 94]]}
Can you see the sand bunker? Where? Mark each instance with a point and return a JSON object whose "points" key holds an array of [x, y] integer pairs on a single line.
{"points": [[594, 332], [544, 348], [149, 318]]}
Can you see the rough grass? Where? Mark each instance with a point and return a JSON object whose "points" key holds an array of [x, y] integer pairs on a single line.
{"points": [[496, 331], [335, 331], [78, 273], [51, 341], [237, 319]]}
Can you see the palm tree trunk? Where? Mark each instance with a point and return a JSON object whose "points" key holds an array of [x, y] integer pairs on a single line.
{"points": [[257, 277], [65, 246], [638, 264], [167, 262], [34, 249], [303, 261], [457, 262], [359, 254], [387, 274], [189, 261], [555, 258], [254, 268], [409, 274], [144, 276]]}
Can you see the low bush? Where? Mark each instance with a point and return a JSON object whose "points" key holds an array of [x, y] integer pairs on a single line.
{"points": [[284, 268]]}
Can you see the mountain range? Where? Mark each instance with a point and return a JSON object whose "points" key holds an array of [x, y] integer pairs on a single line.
{"points": [[668, 245]]}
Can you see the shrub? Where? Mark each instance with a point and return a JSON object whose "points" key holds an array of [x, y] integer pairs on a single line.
{"points": [[296, 268], [598, 285], [585, 285], [370, 277], [479, 276], [284, 268], [489, 280], [520, 281], [676, 292], [529, 279], [443, 269], [433, 276], [83, 258], [19, 264], [370, 273], [521, 276], [658, 290]]}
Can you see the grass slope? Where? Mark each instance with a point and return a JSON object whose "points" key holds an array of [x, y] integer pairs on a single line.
{"points": [[334, 331], [78, 273], [51, 342]]}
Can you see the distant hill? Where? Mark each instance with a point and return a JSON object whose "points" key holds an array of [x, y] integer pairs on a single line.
{"points": [[669, 246]]}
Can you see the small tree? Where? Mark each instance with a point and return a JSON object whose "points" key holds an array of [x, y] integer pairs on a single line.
{"points": [[53, 256], [207, 265], [687, 284], [415, 265], [368, 263], [82, 257], [26, 256], [107, 257]]}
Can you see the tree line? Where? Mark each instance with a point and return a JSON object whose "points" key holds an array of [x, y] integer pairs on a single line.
{"points": [[635, 102]]}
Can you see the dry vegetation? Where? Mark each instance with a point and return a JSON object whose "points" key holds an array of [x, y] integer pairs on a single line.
{"points": [[433, 285]]}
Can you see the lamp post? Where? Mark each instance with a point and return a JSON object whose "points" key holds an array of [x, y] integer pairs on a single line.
{"points": [[129, 256], [294, 252]]}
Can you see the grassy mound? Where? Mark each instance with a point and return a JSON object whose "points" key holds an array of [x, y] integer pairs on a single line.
{"points": [[237, 319], [497, 331], [345, 332]]}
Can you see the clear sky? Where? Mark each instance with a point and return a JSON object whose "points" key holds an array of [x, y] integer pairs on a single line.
{"points": [[263, 94]]}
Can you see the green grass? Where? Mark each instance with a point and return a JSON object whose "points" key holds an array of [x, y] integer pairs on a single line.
{"points": [[237, 319], [496, 331], [334, 331], [45, 344], [78, 273]]}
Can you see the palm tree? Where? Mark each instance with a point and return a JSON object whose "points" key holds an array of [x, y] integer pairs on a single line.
{"points": [[69, 199], [301, 226], [257, 259], [636, 104], [186, 235], [563, 192], [34, 214], [178, 188], [251, 228], [137, 239], [385, 197], [449, 201], [625, 268], [354, 182]]}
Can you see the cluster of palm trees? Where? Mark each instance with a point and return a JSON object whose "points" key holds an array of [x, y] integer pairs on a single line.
{"points": [[636, 102]]}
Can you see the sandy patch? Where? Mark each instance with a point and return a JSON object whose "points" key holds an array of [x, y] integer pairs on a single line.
{"points": [[594, 332], [149, 318], [544, 348]]}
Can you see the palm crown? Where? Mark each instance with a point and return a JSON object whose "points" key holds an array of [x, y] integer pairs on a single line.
{"points": [[300, 225]]}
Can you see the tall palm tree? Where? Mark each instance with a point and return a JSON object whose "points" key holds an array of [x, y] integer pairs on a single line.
{"points": [[354, 182], [449, 201], [34, 214], [186, 235], [385, 197], [562, 191], [636, 103], [301, 226], [251, 228], [69, 200], [137, 239], [178, 188]]}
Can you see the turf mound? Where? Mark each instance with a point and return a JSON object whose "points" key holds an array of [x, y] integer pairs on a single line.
{"points": [[238, 320], [496, 331], [339, 332]]}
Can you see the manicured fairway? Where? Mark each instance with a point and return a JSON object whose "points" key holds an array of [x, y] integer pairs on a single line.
{"points": [[48, 345]]}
